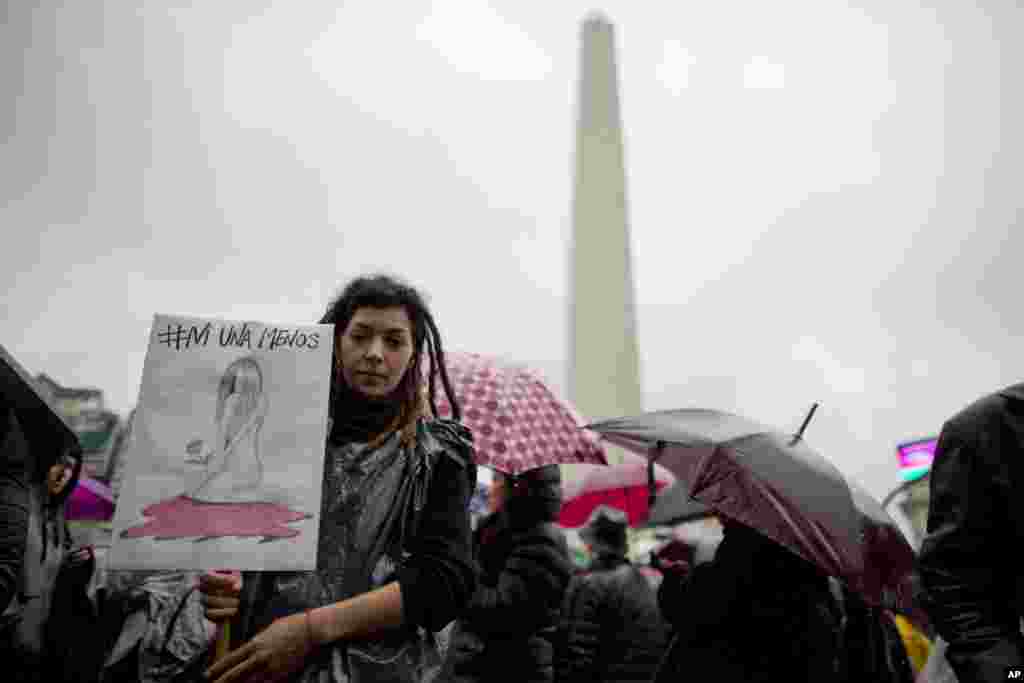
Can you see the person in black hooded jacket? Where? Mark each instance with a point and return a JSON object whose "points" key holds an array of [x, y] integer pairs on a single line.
{"points": [[507, 632], [611, 628]]}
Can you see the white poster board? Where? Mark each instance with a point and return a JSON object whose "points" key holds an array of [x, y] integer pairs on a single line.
{"points": [[224, 464]]}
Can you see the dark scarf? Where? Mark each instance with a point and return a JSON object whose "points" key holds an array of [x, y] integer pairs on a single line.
{"points": [[358, 418]]}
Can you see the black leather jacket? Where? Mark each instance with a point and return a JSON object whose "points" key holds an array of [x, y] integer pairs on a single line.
{"points": [[974, 584]]}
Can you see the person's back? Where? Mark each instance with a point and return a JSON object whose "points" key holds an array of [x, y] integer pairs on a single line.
{"points": [[506, 632], [611, 628], [757, 612]]}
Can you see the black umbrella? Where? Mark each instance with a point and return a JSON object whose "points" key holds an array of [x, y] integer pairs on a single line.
{"points": [[46, 431], [776, 484]]}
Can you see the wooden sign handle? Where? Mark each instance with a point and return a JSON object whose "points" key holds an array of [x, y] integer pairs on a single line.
{"points": [[223, 644]]}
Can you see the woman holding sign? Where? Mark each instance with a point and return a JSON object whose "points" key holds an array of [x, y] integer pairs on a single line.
{"points": [[394, 561]]}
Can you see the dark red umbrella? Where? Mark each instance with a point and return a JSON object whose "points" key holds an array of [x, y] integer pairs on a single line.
{"points": [[778, 485]]}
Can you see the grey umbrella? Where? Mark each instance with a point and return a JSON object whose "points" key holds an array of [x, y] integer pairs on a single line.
{"points": [[776, 484]]}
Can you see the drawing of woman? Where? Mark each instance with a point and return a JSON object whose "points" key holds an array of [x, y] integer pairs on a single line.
{"points": [[233, 469]]}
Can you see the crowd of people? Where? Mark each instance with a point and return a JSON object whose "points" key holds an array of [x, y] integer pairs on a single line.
{"points": [[406, 589]]}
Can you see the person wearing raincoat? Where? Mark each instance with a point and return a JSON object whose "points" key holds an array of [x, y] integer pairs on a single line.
{"points": [[45, 612], [756, 612], [394, 563], [30, 638], [507, 632]]}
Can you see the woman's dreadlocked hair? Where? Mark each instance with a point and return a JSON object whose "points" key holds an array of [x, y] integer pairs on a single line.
{"points": [[384, 291]]}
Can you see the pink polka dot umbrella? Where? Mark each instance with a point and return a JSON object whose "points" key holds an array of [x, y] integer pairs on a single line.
{"points": [[518, 422]]}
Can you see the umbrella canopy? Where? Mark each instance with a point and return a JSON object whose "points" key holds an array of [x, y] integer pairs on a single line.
{"points": [[518, 422], [91, 500], [674, 506], [46, 431], [624, 486], [778, 485]]}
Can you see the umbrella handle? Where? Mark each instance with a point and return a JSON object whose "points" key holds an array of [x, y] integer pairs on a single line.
{"points": [[223, 642], [652, 487]]}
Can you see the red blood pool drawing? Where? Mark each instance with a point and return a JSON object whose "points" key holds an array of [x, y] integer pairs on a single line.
{"points": [[183, 517]]}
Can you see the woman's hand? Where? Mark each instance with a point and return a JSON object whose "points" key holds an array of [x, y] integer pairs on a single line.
{"points": [[276, 652], [221, 590]]}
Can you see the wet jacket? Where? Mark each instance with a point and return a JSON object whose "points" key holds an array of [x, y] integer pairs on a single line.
{"points": [[36, 527], [392, 512], [508, 630], [158, 625], [756, 612], [14, 504], [611, 627], [968, 566]]}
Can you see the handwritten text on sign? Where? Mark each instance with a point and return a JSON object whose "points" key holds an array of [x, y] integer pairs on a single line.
{"points": [[179, 337]]}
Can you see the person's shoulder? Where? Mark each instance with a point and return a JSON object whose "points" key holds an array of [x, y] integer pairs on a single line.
{"points": [[986, 411], [452, 439], [603, 578]]}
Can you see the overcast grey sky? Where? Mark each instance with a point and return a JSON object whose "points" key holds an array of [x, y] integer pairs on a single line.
{"points": [[823, 196]]}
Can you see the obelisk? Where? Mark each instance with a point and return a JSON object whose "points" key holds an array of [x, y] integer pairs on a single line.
{"points": [[604, 364]]}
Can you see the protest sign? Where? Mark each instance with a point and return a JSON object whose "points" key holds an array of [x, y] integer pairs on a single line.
{"points": [[224, 465]]}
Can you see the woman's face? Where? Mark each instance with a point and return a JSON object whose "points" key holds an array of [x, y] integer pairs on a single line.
{"points": [[58, 477], [375, 350]]}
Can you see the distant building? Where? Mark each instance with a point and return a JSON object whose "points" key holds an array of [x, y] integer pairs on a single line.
{"points": [[86, 413], [71, 403]]}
